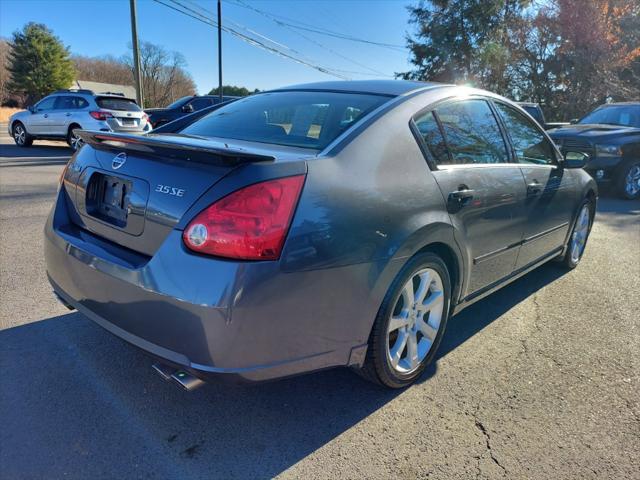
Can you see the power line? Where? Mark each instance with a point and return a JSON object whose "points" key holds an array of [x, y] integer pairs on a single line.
{"points": [[252, 41], [320, 31], [284, 25]]}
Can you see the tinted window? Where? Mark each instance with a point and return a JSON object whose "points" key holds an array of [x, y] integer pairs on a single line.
{"points": [[179, 102], [297, 119], [432, 136], [200, 103], [70, 103], [472, 133], [626, 115], [114, 103], [530, 144], [534, 112], [46, 104]]}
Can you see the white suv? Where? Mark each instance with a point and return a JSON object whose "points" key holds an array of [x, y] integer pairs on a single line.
{"points": [[58, 116]]}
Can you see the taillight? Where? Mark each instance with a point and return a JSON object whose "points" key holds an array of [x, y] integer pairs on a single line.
{"points": [[100, 115], [145, 117], [248, 224]]}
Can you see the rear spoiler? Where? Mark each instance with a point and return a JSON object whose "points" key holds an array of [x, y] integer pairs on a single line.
{"points": [[172, 146]]}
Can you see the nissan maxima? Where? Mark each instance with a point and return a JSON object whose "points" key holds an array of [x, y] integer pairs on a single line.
{"points": [[314, 226]]}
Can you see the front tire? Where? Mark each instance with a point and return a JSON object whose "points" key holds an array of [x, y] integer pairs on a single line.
{"points": [[628, 182], [410, 323], [20, 135], [579, 236]]}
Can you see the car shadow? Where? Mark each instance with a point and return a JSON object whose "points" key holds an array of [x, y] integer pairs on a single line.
{"points": [[80, 403], [36, 155]]}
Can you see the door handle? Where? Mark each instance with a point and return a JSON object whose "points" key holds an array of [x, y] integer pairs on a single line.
{"points": [[67, 114], [46, 115], [460, 198], [534, 188]]}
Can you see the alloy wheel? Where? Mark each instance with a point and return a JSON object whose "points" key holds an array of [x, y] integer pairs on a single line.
{"points": [[632, 181], [19, 135], [76, 141], [415, 320], [580, 233]]}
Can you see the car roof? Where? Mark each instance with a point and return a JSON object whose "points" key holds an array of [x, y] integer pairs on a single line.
{"points": [[378, 87], [613, 104]]}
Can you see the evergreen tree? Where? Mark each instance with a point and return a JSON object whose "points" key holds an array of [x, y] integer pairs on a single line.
{"points": [[38, 63]]}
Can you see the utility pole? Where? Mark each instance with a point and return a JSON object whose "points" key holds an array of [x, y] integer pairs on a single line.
{"points": [[136, 54], [219, 50]]}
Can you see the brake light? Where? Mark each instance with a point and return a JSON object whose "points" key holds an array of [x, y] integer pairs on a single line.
{"points": [[248, 224], [100, 115]]}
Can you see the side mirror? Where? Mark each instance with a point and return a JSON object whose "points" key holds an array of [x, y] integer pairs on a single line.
{"points": [[31, 108], [573, 121], [575, 159], [188, 108]]}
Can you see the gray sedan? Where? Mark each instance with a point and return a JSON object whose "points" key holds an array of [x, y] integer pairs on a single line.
{"points": [[314, 226]]}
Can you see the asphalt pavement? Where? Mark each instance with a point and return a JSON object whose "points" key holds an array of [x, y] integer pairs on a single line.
{"points": [[538, 381]]}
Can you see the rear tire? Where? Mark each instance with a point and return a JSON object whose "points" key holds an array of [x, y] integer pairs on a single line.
{"points": [[20, 135], [579, 236], [74, 141], [628, 180], [410, 323]]}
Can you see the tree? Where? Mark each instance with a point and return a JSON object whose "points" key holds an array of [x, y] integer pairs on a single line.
{"points": [[106, 69], [164, 78], [5, 48], [233, 90], [38, 62], [463, 41]]}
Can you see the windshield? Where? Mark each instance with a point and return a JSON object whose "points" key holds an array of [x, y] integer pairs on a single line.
{"points": [[178, 102], [296, 119], [626, 115], [114, 103]]}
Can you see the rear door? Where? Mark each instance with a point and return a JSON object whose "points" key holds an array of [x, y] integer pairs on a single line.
{"points": [[483, 189], [551, 196], [64, 113]]}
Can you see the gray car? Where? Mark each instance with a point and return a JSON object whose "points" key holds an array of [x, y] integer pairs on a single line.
{"points": [[315, 226], [62, 114]]}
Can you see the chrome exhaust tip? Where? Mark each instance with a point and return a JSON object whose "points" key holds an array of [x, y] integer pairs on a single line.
{"points": [[186, 380]]}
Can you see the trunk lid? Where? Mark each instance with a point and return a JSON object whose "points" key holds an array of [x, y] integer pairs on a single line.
{"points": [[133, 190]]}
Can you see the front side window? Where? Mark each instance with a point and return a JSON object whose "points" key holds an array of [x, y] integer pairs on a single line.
{"points": [[432, 136], [295, 118], [530, 144], [200, 103], [46, 104], [472, 133]]}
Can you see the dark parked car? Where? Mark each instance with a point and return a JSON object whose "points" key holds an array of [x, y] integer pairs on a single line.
{"points": [[535, 110], [321, 225], [181, 107], [611, 136]]}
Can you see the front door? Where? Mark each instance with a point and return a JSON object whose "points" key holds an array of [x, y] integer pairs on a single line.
{"points": [[38, 122], [484, 192], [551, 196]]}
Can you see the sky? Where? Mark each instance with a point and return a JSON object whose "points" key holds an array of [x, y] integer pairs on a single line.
{"points": [[102, 27]]}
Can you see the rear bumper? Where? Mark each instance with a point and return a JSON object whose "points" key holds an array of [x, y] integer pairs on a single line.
{"points": [[210, 316]]}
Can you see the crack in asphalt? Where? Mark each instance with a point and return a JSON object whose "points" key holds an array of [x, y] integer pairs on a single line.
{"points": [[487, 439]]}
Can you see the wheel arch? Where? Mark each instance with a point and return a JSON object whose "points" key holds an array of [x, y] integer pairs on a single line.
{"points": [[73, 125]]}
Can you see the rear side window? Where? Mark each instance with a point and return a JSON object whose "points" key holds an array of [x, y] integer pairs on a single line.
{"points": [[432, 137], [70, 103], [530, 144], [472, 133], [114, 103], [297, 119]]}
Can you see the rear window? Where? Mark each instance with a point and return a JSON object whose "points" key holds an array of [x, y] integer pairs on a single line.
{"points": [[296, 119], [111, 103]]}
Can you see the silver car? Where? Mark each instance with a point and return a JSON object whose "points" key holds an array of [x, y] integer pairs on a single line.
{"points": [[60, 115]]}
